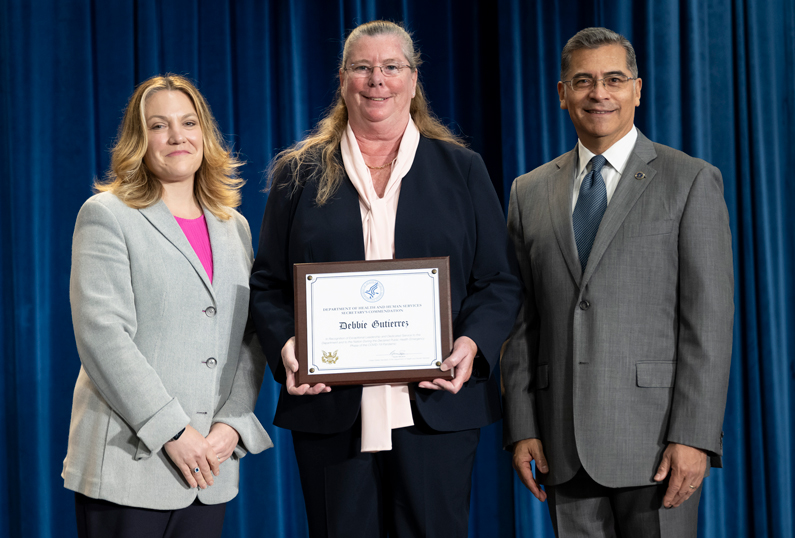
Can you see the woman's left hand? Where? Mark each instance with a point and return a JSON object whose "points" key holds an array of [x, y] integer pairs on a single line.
{"points": [[462, 358], [223, 438]]}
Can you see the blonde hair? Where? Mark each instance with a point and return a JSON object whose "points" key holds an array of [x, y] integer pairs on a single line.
{"points": [[318, 151], [216, 185]]}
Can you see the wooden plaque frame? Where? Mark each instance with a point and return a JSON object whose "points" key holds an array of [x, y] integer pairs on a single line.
{"points": [[300, 273]]}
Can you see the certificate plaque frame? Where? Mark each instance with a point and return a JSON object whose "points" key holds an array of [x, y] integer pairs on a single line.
{"points": [[314, 367]]}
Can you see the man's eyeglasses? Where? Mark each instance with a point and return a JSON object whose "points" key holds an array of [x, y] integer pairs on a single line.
{"points": [[365, 70], [613, 83]]}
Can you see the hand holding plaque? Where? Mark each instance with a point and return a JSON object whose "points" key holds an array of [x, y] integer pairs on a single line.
{"points": [[290, 363], [462, 358], [385, 321]]}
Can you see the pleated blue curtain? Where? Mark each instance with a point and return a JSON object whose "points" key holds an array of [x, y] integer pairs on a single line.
{"points": [[717, 83]]}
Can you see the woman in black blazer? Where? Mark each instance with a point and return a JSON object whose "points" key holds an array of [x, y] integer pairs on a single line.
{"points": [[317, 211]]}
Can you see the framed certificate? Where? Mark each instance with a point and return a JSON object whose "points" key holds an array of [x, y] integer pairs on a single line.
{"points": [[382, 321]]}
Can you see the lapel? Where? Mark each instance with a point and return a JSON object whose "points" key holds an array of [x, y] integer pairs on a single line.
{"points": [[627, 193], [409, 198], [560, 185], [162, 219], [345, 210], [220, 244]]}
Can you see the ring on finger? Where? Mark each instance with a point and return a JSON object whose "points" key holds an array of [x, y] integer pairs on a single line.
{"points": [[196, 470], [692, 486]]}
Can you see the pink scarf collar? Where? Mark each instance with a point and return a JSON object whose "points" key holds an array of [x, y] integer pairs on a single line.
{"points": [[384, 407]]}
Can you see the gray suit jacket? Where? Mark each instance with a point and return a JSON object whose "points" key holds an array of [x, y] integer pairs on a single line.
{"points": [[608, 365], [147, 321]]}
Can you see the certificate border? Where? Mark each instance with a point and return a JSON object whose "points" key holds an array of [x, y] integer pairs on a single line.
{"points": [[300, 272], [431, 273]]}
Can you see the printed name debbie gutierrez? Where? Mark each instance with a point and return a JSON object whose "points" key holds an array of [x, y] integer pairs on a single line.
{"points": [[375, 325]]}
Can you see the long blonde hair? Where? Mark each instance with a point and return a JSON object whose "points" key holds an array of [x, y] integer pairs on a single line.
{"points": [[216, 186], [318, 152]]}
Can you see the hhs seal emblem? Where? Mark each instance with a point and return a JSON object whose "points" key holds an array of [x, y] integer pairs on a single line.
{"points": [[372, 291]]}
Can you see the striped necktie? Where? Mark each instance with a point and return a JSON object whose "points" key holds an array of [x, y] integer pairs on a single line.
{"points": [[590, 208]]}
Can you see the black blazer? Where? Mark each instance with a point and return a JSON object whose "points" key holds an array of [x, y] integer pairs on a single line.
{"points": [[447, 207]]}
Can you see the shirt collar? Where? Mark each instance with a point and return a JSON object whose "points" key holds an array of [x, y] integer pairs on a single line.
{"points": [[616, 155]]}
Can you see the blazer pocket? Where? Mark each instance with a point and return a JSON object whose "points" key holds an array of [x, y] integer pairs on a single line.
{"points": [[542, 376], [656, 227], [656, 374]]}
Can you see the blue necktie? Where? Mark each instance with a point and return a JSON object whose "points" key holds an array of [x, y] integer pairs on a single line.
{"points": [[590, 208]]}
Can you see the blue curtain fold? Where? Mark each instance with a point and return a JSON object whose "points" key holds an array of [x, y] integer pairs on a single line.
{"points": [[717, 83]]}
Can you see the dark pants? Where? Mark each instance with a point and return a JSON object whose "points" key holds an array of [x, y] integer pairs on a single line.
{"points": [[583, 508], [102, 519], [419, 488]]}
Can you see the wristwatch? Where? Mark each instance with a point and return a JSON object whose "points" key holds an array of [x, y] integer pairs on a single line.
{"points": [[178, 434]]}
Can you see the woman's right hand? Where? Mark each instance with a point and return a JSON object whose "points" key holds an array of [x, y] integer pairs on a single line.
{"points": [[291, 366], [192, 451]]}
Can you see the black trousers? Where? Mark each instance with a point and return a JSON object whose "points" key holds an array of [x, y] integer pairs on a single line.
{"points": [[103, 519], [419, 488], [583, 508]]}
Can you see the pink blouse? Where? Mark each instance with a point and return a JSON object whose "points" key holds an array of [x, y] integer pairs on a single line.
{"points": [[199, 238]]}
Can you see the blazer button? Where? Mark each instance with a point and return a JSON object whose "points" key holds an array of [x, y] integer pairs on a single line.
{"points": [[585, 305], [211, 363], [209, 311]]}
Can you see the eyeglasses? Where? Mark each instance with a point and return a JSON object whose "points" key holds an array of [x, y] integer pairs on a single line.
{"points": [[364, 70], [613, 83]]}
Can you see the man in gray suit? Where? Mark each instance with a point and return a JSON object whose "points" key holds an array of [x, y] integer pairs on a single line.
{"points": [[616, 373]]}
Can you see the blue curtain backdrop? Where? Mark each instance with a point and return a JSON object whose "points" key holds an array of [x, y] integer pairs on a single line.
{"points": [[717, 84]]}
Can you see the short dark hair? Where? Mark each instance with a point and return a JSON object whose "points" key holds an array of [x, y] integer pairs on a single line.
{"points": [[591, 38]]}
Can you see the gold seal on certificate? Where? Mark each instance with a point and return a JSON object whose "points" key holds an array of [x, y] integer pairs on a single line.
{"points": [[383, 321]]}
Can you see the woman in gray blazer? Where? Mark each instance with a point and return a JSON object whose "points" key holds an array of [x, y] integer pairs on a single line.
{"points": [[164, 403]]}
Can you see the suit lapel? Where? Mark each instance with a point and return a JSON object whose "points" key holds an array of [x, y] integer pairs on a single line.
{"points": [[561, 185], [219, 243], [410, 197], [346, 211], [627, 193], [162, 219]]}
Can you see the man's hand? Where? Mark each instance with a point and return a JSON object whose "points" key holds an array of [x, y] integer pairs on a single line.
{"points": [[687, 466], [223, 439], [461, 358], [192, 451], [524, 452], [291, 367]]}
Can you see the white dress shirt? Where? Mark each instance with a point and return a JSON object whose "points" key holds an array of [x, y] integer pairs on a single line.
{"points": [[616, 155]]}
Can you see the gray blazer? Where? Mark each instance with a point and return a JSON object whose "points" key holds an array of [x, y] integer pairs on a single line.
{"points": [[161, 347], [608, 365]]}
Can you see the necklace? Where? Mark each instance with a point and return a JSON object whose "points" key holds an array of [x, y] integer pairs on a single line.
{"points": [[381, 167]]}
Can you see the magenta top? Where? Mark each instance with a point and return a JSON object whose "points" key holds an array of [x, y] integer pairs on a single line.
{"points": [[199, 238]]}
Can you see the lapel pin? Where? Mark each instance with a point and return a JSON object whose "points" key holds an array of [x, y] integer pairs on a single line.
{"points": [[640, 175]]}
